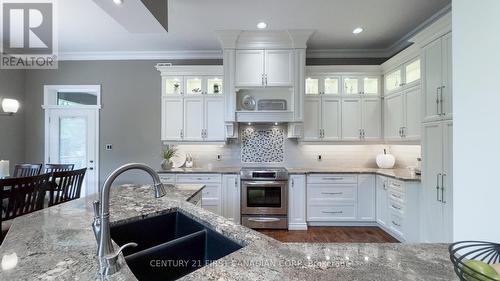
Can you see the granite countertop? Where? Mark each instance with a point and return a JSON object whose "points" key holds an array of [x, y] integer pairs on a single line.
{"points": [[58, 244], [399, 174]]}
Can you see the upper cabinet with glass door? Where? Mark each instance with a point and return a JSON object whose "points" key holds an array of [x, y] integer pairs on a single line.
{"points": [[323, 85], [173, 85], [361, 85], [404, 76]]}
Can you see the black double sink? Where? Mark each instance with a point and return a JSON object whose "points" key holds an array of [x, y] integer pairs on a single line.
{"points": [[170, 246]]}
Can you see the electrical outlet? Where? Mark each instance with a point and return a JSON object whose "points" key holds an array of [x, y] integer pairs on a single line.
{"points": [[219, 157], [109, 146], [320, 157]]}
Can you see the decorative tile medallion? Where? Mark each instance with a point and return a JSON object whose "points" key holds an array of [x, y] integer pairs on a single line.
{"points": [[262, 145]]}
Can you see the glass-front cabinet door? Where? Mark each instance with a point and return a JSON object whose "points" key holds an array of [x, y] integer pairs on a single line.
{"points": [[331, 85], [352, 85], [194, 85], [371, 86], [393, 80], [412, 72], [312, 86], [173, 85], [214, 86]]}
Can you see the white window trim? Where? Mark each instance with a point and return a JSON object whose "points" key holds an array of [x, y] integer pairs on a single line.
{"points": [[50, 95]]}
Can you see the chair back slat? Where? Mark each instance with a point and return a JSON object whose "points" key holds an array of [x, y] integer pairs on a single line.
{"points": [[27, 170], [66, 186], [51, 168], [23, 195]]}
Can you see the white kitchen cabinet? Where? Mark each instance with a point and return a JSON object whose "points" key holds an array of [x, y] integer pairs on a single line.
{"points": [[437, 179], [330, 118], [261, 68], [214, 119], [193, 119], [366, 198], [361, 85], [437, 73], [211, 194], [231, 197], [173, 86], [323, 85], [403, 76], [297, 203], [402, 115], [351, 119], [278, 68], [371, 110], [381, 201], [249, 68], [322, 117], [172, 111]]}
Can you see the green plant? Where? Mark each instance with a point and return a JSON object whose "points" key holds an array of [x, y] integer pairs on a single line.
{"points": [[169, 151]]}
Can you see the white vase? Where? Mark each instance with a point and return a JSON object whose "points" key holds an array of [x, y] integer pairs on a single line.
{"points": [[385, 161], [166, 164]]}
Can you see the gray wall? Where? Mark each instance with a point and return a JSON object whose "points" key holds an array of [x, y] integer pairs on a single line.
{"points": [[129, 118], [12, 127]]}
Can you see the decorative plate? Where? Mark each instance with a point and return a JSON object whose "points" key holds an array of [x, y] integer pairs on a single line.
{"points": [[248, 103], [179, 159]]}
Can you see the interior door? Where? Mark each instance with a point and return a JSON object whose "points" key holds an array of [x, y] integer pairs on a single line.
{"points": [[193, 119], [73, 139], [331, 118], [432, 166], [351, 119], [412, 111], [249, 68], [433, 79], [372, 118], [214, 119], [312, 118], [172, 116], [279, 67], [394, 117]]}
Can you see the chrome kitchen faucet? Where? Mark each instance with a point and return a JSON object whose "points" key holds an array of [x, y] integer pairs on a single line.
{"points": [[108, 258]]}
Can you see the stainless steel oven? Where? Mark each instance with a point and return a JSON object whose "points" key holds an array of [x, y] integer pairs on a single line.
{"points": [[264, 198]]}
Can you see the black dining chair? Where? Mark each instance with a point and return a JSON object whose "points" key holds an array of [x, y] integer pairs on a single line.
{"points": [[65, 186], [20, 196], [51, 168], [27, 170]]}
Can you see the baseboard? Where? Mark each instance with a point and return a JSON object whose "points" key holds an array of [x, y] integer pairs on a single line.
{"points": [[341, 223], [297, 226]]}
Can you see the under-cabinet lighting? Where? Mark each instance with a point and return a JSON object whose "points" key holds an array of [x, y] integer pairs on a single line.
{"points": [[276, 123], [249, 124], [262, 25], [357, 30], [118, 2]]}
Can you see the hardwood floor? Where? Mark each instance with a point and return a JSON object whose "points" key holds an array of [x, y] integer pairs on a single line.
{"points": [[331, 235]]}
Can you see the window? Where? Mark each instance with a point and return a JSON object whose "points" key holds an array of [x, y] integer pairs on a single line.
{"points": [[75, 99]]}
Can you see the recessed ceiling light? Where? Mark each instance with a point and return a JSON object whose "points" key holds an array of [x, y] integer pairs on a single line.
{"points": [[357, 30], [118, 2], [262, 25]]}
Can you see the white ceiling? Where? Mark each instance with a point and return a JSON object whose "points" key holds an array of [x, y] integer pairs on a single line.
{"points": [[85, 27]]}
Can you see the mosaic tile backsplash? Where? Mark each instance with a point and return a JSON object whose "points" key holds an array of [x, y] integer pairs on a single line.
{"points": [[264, 145]]}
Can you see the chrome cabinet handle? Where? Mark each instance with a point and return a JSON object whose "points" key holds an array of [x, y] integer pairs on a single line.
{"points": [[395, 196], [293, 184], [396, 224], [442, 100], [332, 179], [384, 184], [437, 101], [335, 212], [265, 77], [264, 219], [395, 207], [442, 188], [182, 133], [437, 187], [332, 193], [396, 184]]}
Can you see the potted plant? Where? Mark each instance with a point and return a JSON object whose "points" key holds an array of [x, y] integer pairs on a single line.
{"points": [[169, 151]]}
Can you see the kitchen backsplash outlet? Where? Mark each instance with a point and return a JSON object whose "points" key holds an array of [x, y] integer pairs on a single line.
{"points": [[262, 144]]}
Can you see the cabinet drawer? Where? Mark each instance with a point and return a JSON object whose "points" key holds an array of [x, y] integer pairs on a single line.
{"points": [[396, 195], [339, 212], [396, 185], [167, 178], [336, 192], [332, 178], [396, 225], [198, 178], [396, 207], [212, 208], [211, 192]]}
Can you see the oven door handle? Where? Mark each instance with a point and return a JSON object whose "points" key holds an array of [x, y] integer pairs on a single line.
{"points": [[264, 219], [262, 183]]}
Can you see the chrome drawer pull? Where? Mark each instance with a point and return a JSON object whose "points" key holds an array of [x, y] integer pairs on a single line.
{"points": [[264, 219], [396, 184], [395, 196], [396, 224], [333, 179], [395, 207], [336, 212], [332, 193]]}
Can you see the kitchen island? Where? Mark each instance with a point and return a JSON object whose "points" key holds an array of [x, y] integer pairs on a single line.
{"points": [[58, 244]]}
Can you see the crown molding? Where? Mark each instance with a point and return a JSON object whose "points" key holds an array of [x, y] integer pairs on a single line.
{"points": [[264, 39], [169, 69], [146, 55], [343, 69], [347, 53]]}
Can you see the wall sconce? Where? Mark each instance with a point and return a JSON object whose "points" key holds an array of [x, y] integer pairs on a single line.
{"points": [[9, 107]]}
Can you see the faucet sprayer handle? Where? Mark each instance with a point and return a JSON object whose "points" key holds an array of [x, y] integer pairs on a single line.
{"points": [[117, 253], [96, 205], [109, 263]]}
